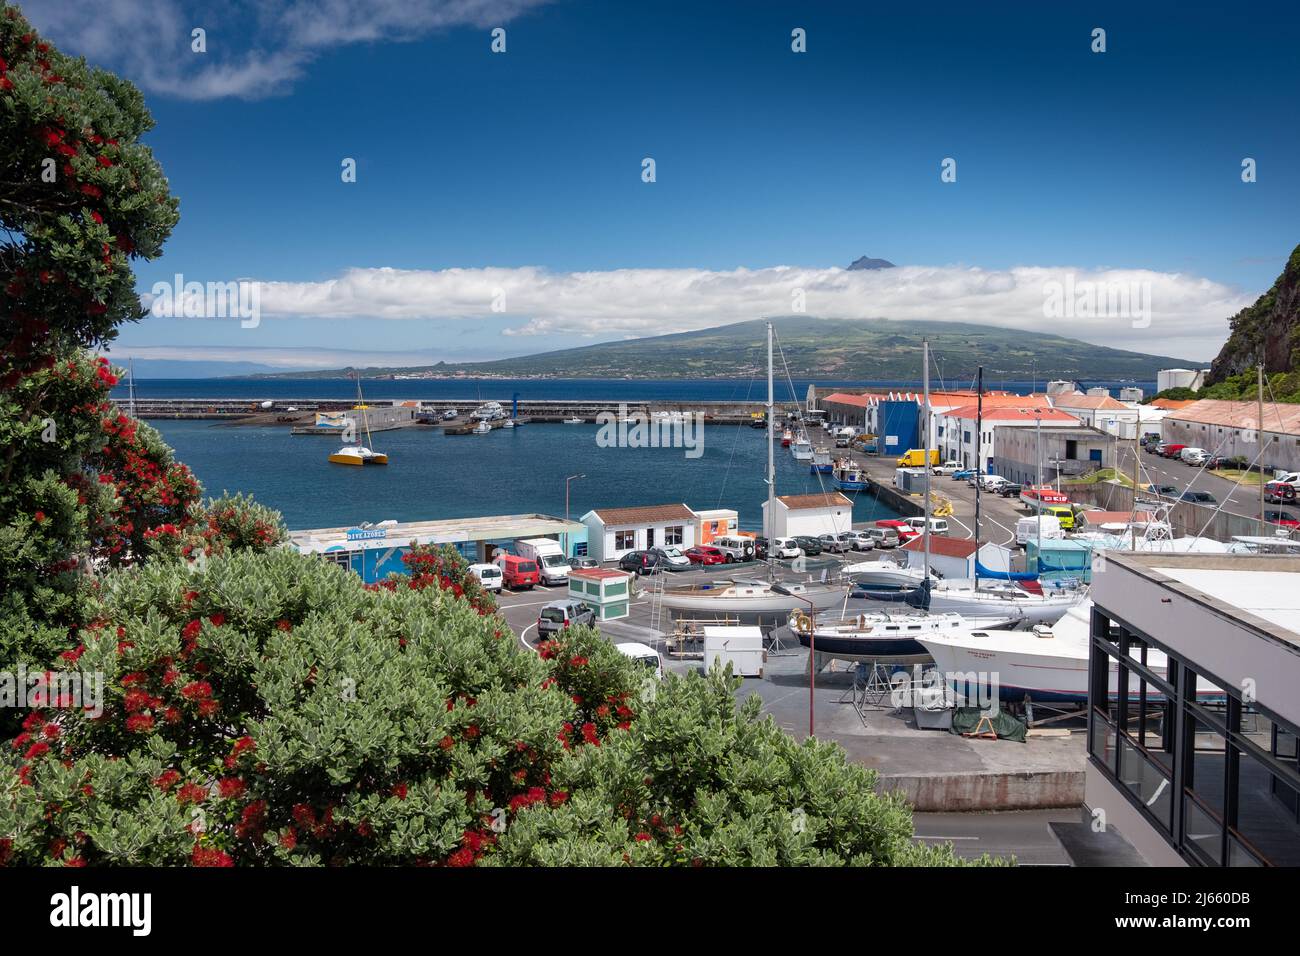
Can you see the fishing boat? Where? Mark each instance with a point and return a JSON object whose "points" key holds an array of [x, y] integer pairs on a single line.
{"points": [[489, 412], [508, 423], [787, 437], [847, 476], [884, 637], [821, 462], [573, 421], [482, 428], [359, 454], [752, 597], [802, 449]]}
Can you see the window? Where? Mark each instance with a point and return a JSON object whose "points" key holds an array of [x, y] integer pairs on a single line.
{"points": [[342, 558], [624, 540], [673, 535]]}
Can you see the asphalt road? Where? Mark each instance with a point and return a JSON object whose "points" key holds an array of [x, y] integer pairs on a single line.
{"points": [[1025, 834], [1238, 499]]}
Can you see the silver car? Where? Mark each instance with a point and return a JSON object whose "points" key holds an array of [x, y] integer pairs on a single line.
{"points": [[862, 541]]}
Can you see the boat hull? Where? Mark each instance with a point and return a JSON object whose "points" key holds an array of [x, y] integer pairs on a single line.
{"points": [[717, 601], [359, 460]]}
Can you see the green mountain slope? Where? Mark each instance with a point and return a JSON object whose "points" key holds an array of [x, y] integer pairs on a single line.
{"points": [[817, 348], [1268, 331]]}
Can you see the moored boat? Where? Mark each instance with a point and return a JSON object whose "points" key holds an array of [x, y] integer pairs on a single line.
{"points": [[358, 455], [821, 462]]}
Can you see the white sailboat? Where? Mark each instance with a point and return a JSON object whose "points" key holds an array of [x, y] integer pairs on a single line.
{"points": [[884, 637], [756, 597]]}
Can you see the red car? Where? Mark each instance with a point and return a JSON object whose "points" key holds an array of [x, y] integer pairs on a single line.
{"points": [[1284, 519], [905, 531], [704, 555]]}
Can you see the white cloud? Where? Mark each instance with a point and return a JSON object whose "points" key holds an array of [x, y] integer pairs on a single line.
{"points": [[1188, 314], [149, 41]]}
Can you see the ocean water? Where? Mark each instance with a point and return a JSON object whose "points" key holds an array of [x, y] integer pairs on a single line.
{"points": [[502, 390], [432, 476]]}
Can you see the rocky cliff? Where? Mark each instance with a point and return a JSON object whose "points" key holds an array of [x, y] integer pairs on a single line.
{"points": [[1268, 331]]}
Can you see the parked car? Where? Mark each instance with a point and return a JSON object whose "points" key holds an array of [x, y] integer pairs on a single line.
{"points": [[884, 537], [1010, 490], [760, 548], [576, 563], [1194, 456], [947, 468], [735, 547], [1215, 462], [785, 548], [671, 558], [1198, 498], [993, 482], [811, 547], [902, 529], [1171, 451], [517, 571], [489, 576], [644, 655], [704, 555], [1283, 518], [832, 543], [962, 474], [558, 615], [863, 541], [1152, 448], [847, 540], [1282, 488], [642, 562]]}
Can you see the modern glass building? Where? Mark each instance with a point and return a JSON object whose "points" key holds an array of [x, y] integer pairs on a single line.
{"points": [[1195, 759]]}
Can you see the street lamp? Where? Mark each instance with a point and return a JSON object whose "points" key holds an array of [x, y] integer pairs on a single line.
{"points": [[566, 493]]}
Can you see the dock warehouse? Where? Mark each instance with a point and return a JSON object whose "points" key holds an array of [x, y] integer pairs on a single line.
{"points": [[1198, 765], [1067, 452], [613, 532], [1230, 429], [373, 551], [813, 515], [844, 408]]}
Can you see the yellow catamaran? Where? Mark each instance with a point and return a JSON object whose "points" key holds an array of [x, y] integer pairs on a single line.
{"points": [[359, 454]]}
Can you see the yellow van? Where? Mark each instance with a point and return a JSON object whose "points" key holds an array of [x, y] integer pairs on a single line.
{"points": [[915, 458], [1063, 513]]}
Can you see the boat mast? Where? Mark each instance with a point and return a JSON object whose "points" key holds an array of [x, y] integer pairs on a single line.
{"points": [[365, 413], [979, 460], [1259, 411], [925, 424], [130, 387], [771, 459]]}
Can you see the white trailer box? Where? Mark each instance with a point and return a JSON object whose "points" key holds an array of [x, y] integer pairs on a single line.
{"points": [[552, 564], [741, 647]]}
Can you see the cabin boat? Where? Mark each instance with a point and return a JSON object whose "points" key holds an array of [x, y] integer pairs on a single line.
{"points": [[1038, 497], [821, 462], [884, 637], [802, 449], [848, 476], [489, 412], [358, 455], [573, 421], [787, 437], [482, 428], [752, 597]]}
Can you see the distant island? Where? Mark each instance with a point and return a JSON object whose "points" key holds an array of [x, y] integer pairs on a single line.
{"points": [[812, 348]]}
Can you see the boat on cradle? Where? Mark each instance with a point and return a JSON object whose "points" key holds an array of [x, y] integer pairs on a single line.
{"points": [[821, 462], [848, 476], [787, 437], [1047, 663], [573, 421], [882, 575], [482, 428], [802, 449], [1038, 606], [489, 412], [725, 597], [884, 637], [358, 455]]}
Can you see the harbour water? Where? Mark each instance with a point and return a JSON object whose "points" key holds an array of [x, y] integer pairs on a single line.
{"points": [[510, 471]]}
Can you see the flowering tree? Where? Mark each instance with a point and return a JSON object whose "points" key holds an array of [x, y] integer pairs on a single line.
{"points": [[269, 709], [82, 196]]}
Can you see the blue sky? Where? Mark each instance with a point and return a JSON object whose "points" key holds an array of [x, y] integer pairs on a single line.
{"points": [[1066, 160]]}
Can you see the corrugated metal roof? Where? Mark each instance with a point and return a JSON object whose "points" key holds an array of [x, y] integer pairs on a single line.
{"points": [[1279, 418]]}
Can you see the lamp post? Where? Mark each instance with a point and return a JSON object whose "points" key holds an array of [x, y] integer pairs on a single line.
{"points": [[566, 493]]}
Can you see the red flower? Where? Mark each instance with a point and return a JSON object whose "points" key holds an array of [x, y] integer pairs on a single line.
{"points": [[446, 743], [165, 780], [212, 857], [289, 839], [191, 630], [399, 791], [139, 723], [643, 837], [284, 624], [197, 690], [36, 750], [39, 516], [217, 619], [229, 787], [192, 793]]}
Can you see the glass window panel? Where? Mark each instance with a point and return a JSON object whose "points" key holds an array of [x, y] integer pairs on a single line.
{"points": [[1145, 781], [1202, 832], [1150, 722], [1102, 744], [1205, 773], [1238, 855], [1265, 815]]}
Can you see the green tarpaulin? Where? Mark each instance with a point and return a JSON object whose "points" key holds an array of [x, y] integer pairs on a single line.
{"points": [[971, 720]]}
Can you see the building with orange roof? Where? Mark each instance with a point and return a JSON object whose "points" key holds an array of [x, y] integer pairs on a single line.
{"points": [[956, 437], [1232, 429], [1101, 412]]}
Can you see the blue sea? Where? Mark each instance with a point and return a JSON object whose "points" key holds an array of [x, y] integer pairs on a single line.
{"points": [[431, 475]]}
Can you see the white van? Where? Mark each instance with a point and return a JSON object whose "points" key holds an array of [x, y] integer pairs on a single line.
{"points": [[784, 548], [735, 547], [937, 525], [645, 655], [1027, 529], [1194, 456], [489, 576]]}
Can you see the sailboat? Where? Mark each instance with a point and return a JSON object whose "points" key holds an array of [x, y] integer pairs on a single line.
{"points": [[726, 597], [802, 449], [359, 454], [885, 637]]}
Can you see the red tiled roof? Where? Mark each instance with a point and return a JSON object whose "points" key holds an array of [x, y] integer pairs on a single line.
{"points": [[1026, 413], [1171, 403], [809, 502], [1079, 400], [645, 514], [944, 545], [844, 398], [1279, 418]]}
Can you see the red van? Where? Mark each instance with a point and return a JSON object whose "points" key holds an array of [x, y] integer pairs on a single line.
{"points": [[518, 572]]}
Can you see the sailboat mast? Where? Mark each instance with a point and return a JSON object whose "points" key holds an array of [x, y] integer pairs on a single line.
{"points": [[979, 460], [770, 530], [365, 413], [925, 424], [130, 389]]}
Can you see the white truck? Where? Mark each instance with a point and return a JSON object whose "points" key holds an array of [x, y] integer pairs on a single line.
{"points": [[1028, 529], [552, 564]]}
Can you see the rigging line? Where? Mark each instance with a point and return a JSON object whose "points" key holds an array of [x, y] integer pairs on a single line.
{"points": [[735, 441], [1225, 500], [799, 418]]}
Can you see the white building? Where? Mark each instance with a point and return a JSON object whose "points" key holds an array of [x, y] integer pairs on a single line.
{"points": [[1192, 378], [830, 513], [957, 435], [613, 532], [1101, 412], [714, 523], [954, 558]]}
